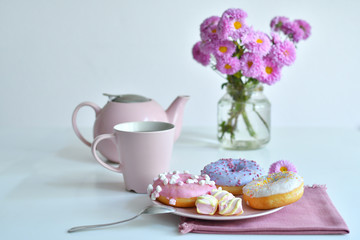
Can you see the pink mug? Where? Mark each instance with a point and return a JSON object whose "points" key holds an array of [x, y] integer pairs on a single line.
{"points": [[144, 150]]}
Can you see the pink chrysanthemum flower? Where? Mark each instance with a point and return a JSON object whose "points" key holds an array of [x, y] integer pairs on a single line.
{"points": [[248, 35], [283, 53], [208, 28], [305, 26], [207, 47], [275, 38], [228, 65], [199, 56], [259, 43], [224, 48], [293, 31], [232, 24], [250, 65], [270, 72], [282, 166], [277, 22]]}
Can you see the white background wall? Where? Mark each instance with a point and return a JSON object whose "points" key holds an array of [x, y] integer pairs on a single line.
{"points": [[55, 54]]}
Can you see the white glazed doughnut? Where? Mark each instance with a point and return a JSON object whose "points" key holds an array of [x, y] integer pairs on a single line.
{"points": [[274, 190]]}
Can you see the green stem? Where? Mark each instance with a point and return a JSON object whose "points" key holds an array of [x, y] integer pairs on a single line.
{"points": [[240, 92], [248, 124], [261, 118]]}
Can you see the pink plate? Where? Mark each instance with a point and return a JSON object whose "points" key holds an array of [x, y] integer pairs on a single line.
{"points": [[248, 213]]}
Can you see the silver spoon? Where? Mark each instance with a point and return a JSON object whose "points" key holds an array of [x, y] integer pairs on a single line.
{"points": [[154, 209]]}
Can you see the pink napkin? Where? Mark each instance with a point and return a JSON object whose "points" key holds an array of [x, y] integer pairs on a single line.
{"points": [[314, 213]]}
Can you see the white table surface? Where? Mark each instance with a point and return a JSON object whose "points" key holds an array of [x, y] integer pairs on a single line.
{"points": [[50, 182]]}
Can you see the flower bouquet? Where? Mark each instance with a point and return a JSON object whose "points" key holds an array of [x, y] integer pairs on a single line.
{"points": [[246, 58]]}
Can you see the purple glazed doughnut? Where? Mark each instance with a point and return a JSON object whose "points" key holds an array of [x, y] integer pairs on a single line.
{"points": [[233, 174]]}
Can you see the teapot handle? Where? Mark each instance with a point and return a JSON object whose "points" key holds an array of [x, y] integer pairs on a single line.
{"points": [[76, 129]]}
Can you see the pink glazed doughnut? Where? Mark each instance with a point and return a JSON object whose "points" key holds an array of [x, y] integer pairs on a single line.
{"points": [[180, 189]]}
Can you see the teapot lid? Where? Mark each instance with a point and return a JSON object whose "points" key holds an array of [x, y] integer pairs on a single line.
{"points": [[127, 98]]}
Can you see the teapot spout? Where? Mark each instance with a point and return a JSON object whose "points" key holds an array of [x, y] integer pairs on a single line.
{"points": [[175, 113]]}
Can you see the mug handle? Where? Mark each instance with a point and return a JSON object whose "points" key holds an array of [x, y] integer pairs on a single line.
{"points": [[76, 129], [96, 141]]}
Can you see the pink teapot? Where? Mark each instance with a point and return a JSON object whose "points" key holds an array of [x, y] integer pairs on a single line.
{"points": [[128, 108]]}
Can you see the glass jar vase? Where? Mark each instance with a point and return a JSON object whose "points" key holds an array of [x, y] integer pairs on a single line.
{"points": [[244, 119]]}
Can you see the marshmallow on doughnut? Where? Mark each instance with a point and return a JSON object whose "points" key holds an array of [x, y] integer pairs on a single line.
{"points": [[274, 190]]}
